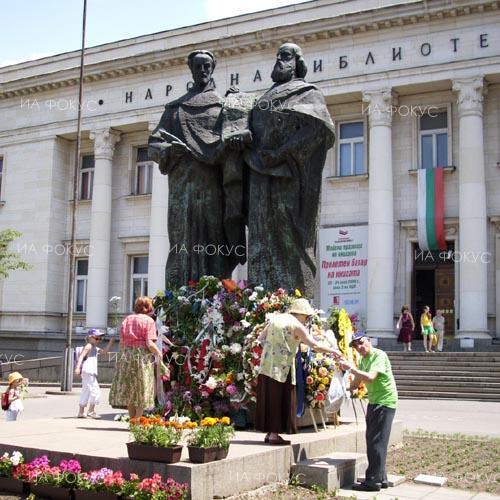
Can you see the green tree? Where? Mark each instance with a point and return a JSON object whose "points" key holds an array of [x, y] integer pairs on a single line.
{"points": [[10, 261]]}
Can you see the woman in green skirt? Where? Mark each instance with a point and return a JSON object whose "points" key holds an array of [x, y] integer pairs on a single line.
{"points": [[134, 380]]}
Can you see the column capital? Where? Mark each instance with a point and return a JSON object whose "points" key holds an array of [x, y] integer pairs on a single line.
{"points": [[470, 95], [380, 107], [104, 142]]}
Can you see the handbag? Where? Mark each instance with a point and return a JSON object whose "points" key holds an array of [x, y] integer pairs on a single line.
{"points": [[434, 339], [5, 400]]}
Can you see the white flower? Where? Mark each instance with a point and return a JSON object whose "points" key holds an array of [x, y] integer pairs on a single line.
{"points": [[240, 376], [259, 289], [253, 297], [245, 323], [16, 458], [235, 348], [181, 420], [211, 383], [225, 348], [5, 455]]}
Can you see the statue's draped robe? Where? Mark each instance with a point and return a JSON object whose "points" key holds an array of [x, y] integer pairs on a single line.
{"points": [[290, 122], [196, 203]]}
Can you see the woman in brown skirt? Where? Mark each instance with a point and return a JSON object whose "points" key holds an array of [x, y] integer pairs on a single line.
{"points": [[276, 401]]}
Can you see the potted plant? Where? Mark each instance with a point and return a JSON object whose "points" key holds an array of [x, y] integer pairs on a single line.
{"points": [[115, 316], [154, 488], [210, 441], [53, 482], [102, 484], [155, 439], [8, 466]]}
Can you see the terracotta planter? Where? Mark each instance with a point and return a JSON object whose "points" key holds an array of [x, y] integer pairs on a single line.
{"points": [[94, 495], [202, 455], [52, 492], [13, 485], [138, 451], [221, 453]]}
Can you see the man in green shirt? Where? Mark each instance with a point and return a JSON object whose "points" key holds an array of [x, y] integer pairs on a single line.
{"points": [[375, 371]]}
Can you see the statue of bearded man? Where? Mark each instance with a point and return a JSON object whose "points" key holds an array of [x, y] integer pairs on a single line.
{"points": [[291, 133]]}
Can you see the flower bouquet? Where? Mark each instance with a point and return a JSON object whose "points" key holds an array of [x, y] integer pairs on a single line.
{"points": [[102, 484], [156, 439], [8, 466], [210, 440]]}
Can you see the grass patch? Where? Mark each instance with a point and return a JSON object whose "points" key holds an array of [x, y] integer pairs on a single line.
{"points": [[469, 462]]}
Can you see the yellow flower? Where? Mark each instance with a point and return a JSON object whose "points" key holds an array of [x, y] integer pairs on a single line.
{"points": [[321, 387], [319, 356], [297, 293], [225, 420], [326, 380]]}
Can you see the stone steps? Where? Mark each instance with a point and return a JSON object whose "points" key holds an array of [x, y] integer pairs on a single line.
{"points": [[331, 471], [458, 375], [453, 385], [436, 394], [404, 380]]}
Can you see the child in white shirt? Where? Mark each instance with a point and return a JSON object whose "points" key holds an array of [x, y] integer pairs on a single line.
{"points": [[86, 366]]}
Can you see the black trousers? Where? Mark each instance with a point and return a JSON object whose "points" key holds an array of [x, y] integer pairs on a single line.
{"points": [[378, 430]]}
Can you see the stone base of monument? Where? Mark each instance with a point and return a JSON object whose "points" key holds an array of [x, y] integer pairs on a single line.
{"points": [[250, 463]]}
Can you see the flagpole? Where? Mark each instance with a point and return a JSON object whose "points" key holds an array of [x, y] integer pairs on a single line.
{"points": [[67, 375]]}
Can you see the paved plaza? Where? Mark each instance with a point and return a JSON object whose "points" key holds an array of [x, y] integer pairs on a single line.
{"points": [[42, 410]]}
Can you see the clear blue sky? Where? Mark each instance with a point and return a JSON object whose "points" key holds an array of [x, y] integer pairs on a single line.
{"points": [[37, 28]]}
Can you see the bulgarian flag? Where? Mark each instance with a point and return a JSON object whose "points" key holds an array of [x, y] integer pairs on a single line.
{"points": [[430, 209]]}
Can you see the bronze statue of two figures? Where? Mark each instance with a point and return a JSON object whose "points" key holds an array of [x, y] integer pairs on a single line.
{"points": [[244, 163]]}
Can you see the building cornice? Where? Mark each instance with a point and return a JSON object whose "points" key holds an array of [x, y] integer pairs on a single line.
{"points": [[372, 20]]}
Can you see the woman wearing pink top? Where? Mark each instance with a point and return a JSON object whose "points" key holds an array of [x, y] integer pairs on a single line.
{"points": [[134, 380]]}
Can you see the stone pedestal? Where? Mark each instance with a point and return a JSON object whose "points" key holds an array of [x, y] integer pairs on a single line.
{"points": [[100, 228], [380, 293], [473, 249]]}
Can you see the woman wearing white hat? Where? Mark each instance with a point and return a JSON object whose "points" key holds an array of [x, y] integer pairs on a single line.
{"points": [[276, 400]]}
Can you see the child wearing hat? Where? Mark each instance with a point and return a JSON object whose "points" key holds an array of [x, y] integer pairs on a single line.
{"points": [[86, 366], [15, 391]]}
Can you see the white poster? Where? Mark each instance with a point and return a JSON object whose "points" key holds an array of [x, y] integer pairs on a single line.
{"points": [[343, 270]]}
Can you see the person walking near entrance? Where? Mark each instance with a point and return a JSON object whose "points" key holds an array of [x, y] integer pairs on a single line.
{"points": [[405, 325], [438, 322], [427, 328], [375, 370]]}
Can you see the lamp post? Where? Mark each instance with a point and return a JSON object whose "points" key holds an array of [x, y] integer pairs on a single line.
{"points": [[67, 374]]}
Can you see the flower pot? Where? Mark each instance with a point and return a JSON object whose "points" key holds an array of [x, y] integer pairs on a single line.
{"points": [[138, 451], [13, 485], [221, 453], [94, 495], [199, 455], [53, 492]]}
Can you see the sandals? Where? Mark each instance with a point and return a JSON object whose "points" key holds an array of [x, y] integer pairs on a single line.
{"points": [[93, 414]]}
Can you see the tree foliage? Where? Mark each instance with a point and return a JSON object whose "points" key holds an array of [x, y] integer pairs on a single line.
{"points": [[10, 261]]}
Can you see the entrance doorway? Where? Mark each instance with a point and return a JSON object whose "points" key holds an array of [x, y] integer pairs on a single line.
{"points": [[434, 286]]}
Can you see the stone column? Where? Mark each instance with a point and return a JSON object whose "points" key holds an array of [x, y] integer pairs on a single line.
{"points": [[496, 221], [100, 228], [472, 210], [380, 293], [159, 243]]}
